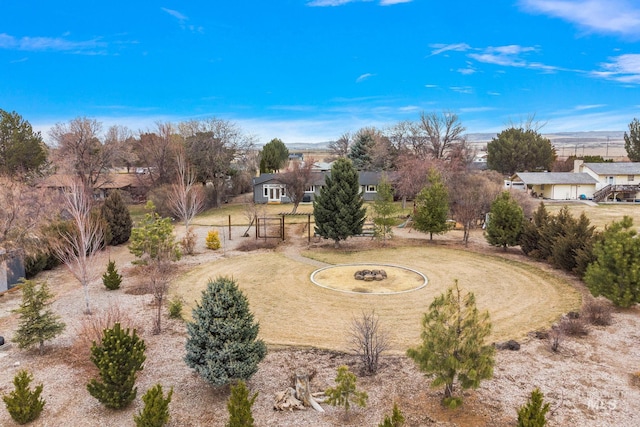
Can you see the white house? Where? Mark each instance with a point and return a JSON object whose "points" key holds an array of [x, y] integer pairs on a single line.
{"points": [[615, 181], [557, 185]]}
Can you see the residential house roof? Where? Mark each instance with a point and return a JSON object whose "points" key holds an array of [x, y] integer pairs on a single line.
{"points": [[107, 182], [539, 178], [620, 168]]}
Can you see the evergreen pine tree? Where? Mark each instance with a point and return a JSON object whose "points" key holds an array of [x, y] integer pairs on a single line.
{"points": [[505, 222], [615, 273], [118, 359], [384, 209], [345, 393], [395, 420], [432, 206], [23, 404], [115, 212], [574, 237], [532, 414], [111, 279], [338, 209], [360, 151], [531, 232], [239, 406], [222, 344], [453, 347], [153, 239], [37, 324], [632, 141], [156, 408]]}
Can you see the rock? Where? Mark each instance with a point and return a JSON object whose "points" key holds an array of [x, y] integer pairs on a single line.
{"points": [[378, 277], [368, 278], [1, 340], [512, 345], [573, 315]]}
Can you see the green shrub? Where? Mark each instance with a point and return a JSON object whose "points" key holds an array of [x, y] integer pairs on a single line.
{"points": [[118, 359], [532, 414], [156, 408], [111, 278], [23, 404], [213, 240], [175, 308], [395, 420], [344, 393], [239, 406]]}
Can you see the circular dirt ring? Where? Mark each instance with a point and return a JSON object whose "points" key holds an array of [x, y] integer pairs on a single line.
{"points": [[341, 278]]}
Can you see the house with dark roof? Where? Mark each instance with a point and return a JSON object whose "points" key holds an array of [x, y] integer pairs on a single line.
{"points": [[267, 188]]}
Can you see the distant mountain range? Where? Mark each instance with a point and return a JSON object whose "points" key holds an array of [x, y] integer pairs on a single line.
{"points": [[558, 138]]}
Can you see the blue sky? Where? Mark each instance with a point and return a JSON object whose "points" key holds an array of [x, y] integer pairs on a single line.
{"points": [[309, 70]]}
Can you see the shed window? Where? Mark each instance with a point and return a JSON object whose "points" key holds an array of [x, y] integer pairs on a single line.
{"points": [[631, 178], [310, 189], [370, 189]]}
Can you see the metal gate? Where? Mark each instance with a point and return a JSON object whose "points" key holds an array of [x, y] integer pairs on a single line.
{"points": [[270, 228]]}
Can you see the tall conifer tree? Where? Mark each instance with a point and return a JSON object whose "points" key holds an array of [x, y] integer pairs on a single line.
{"points": [[338, 209], [505, 222], [115, 212], [37, 324], [432, 206]]}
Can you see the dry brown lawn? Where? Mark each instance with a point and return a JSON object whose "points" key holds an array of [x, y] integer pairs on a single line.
{"points": [[293, 311]]}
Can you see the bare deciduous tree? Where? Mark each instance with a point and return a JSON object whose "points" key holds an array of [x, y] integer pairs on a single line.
{"points": [[186, 199], [158, 276], [340, 147], [252, 211], [471, 196], [212, 146], [120, 141], [156, 150], [408, 139], [441, 130], [79, 248], [296, 180], [368, 340], [23, 208], [80, 151]]}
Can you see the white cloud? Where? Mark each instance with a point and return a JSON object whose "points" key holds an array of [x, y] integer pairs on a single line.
{"points": [[588, 107], [179, 16], [503, 55], [323, 3], [58, 44], [623, 68], [462, 89], [476, 109], [330, 3], [182, 21], [601, 16], [392, 2], [430, 86], [442, 48], [466, 71], [364, 77]]}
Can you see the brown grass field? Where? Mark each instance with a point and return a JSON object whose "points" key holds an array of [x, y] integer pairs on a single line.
{"points": [[293, 311]]}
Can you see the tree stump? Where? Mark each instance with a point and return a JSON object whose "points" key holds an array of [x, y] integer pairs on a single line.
{"points": [[302, 390]]}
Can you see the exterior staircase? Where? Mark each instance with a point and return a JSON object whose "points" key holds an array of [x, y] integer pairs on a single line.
{"points": [[605, 192]]}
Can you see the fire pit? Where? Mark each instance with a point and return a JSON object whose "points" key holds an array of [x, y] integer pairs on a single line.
{"points": [[376, 279]]}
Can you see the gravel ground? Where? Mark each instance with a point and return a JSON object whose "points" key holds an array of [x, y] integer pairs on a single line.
{"points": [[588, 382]]}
